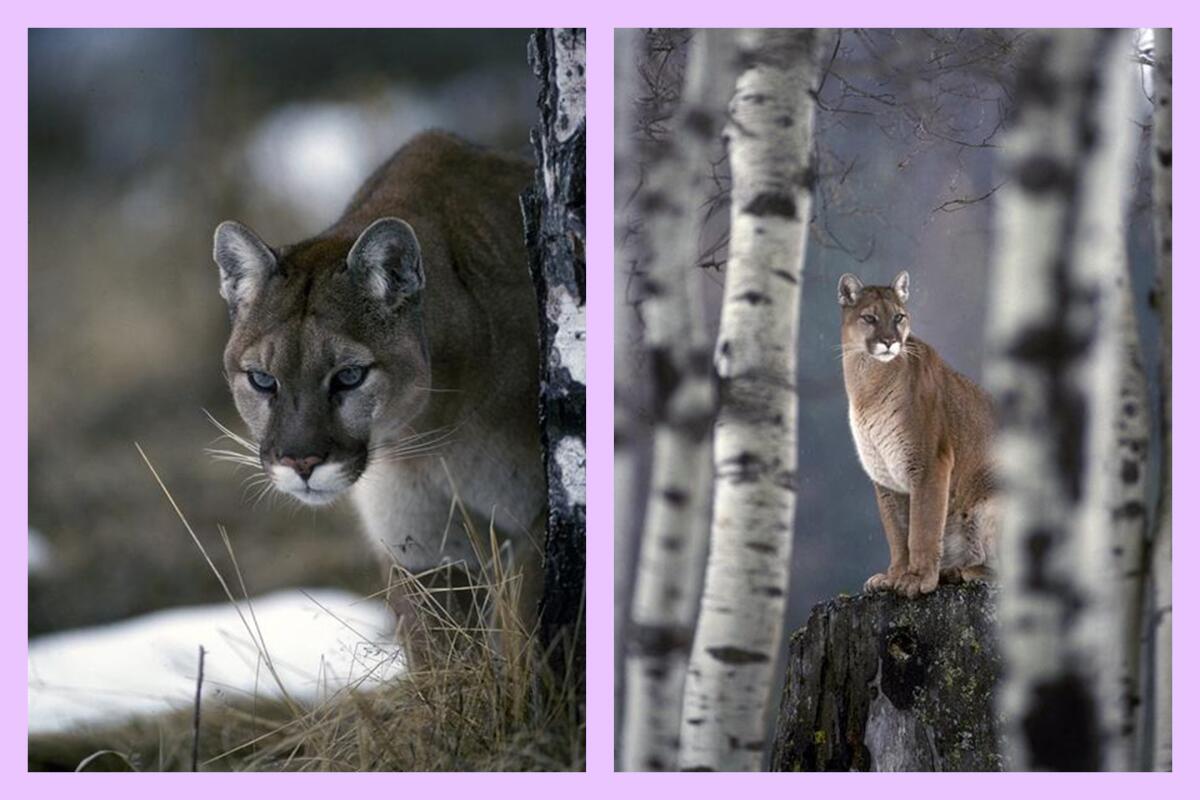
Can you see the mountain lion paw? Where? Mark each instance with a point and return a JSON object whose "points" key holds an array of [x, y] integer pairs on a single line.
{"points": [[879, 582], [912, 584]]}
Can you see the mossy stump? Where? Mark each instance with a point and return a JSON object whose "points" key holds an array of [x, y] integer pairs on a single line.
{"points": [[882, 683]]}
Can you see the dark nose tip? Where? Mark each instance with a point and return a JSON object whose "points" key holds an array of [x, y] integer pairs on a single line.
{"points": [[303, 466]]}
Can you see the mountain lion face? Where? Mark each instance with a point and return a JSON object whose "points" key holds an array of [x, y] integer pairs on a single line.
{"points": [[327, 359], [874, 318]]}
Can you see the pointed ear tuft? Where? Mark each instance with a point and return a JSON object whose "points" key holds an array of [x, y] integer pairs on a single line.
{"points": [[900, 286], [849, 289], [386, 260], [244, 260]]}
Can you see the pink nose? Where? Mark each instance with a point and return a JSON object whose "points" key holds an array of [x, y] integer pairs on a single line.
{"points": [[303, 466]]}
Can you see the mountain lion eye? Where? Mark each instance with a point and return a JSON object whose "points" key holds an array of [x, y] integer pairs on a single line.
{"points": [[899, 318], [349, 378], [261, 381], [870, 319]]}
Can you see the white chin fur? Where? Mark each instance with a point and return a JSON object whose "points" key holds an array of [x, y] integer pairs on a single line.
{"points": [[884, 357], [324, 486]]}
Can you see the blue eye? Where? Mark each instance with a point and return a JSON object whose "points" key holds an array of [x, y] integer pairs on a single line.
{"points": [[261, 381], [348, 378]]}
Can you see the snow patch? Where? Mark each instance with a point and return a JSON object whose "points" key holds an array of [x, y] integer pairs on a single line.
{"points": [[319, 640]]}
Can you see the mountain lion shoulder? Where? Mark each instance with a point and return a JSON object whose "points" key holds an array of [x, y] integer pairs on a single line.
{"points": [[922, 432], [394, 355]]}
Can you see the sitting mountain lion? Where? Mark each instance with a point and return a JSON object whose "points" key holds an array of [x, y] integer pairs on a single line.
{"points": [[922, 432], [394, 356]]}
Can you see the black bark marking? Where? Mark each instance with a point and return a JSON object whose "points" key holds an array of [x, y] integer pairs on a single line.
{"points": [[700, 122], [762, 547], [753, 298], [737, 655], [1035, 84], [742, 468], [1131, 510], [808, 179], [1043, 174], [1164, 157], [675, 496], [783, 274], [772, 204], [1130, 471], [1050, 348], [666, 379], [1061, 726], [658, 641]]}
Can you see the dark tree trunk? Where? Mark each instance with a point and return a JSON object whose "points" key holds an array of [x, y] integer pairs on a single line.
{"points": [[882, 683], [554, 234]]}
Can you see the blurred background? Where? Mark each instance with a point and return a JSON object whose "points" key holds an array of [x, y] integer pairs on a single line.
{"points": [[141, 142], [907, 132]]}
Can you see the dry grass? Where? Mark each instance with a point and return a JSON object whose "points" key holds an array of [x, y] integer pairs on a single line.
{"points": [[487, 700]]}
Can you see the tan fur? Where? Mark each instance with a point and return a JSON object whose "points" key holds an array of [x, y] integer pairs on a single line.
{"points": [[922, 432], [440, 309]]}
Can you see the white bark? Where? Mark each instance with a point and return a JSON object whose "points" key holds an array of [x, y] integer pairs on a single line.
{"points": [[1113, 516], [667, 588], [741, 617], [1046, 339], [1161, 547]]}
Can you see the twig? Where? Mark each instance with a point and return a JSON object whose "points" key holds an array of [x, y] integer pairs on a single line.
{"points": [[957, 204], [196, 715]]}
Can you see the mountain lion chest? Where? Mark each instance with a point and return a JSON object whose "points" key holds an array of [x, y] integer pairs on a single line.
{"points": [[884, 446]]}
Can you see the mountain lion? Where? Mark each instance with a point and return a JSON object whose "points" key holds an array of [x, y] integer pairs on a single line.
{"points": [[394, 356], [922, 432]]}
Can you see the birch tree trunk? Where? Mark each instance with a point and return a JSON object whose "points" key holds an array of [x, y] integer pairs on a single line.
{"points": [[1113, 518], [1161, 546], [738, 633], [1046, 332], [554, 221], [628, 428], [671, 563]]}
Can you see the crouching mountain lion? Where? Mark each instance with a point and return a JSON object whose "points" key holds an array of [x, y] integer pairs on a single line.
{"points": [[922, 432], [394, 357]]}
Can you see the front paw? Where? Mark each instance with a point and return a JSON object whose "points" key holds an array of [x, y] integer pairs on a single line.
{"points": [[914, 583], [879, 582]]}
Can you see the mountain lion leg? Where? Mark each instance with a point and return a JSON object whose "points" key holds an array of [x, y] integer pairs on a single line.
{"points": [[927, 523], [437, 613], [893, 511]]}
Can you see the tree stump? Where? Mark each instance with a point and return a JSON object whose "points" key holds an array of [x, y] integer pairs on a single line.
{"points": [[881, 683]]}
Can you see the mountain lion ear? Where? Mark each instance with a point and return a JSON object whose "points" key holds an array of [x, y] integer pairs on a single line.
{"points": [[387, 259], [849, 289], [245, 262], [900, 286]]}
